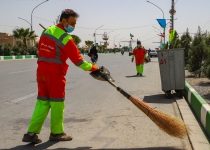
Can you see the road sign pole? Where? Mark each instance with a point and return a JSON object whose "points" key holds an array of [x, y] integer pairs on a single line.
{"points": [[172, 14]]}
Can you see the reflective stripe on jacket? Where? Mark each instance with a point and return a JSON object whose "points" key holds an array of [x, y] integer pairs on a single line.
{"points": [[55, 47]]}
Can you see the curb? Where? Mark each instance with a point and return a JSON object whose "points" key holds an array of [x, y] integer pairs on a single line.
{"points": [[17, 57], [199, 106]]}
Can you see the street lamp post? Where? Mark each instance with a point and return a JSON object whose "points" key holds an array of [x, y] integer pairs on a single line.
{"points": [[157, 28], [30, 26], [32, 43], [110, 31], [25, 21], [120, 41], [114, 40], [91, 35], [33, 11], [163, 18], [160, 36], [95, 33]]}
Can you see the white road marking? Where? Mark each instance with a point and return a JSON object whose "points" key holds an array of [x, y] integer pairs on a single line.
{"points": [[114, 66], [19, 71], [22, 98]]}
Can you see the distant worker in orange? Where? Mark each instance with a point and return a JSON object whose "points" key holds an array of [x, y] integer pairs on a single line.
{"points": [[140, 55]]}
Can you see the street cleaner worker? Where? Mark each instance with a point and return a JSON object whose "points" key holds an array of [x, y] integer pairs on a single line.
{"points": [[140, 55], [55, 47]]}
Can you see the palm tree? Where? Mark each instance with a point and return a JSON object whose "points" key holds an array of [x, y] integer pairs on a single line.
{"points": [[77, 40], [101, 48], [24, 35], [89, 43]]}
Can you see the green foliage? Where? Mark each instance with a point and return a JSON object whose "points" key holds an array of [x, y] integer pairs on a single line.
{"points": [[126, 48], [206, 63], [197, 54], [166, 46], [82, 51], [77, 40], [186, 39], [207, 71], [24, 35], [16, 50], [1, 50], [7, 49], [101, 48], [89, 43], [36, 44], [32, 51], [24, 51]]}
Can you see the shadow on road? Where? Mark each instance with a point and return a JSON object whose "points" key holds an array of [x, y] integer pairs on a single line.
{"points": [[47, 144], [159, 98], [30, 146], [134, 76], [152, 148]]}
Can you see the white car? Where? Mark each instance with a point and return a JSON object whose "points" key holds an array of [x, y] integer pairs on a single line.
{"points": [[153, 53]]}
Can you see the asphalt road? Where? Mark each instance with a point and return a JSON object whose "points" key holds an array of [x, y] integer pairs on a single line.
{"points": [[96, 114]]}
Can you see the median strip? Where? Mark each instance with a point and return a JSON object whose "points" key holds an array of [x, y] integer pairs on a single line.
{"points": [[17, 57], [199, 106]]}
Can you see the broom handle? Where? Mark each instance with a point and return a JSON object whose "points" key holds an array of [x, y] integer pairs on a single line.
{"points": [[42, 26], [124, 93], [112, 84]]}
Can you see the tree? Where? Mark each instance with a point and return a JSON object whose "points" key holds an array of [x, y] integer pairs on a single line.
{"points": [[7, 49], [197, 54], [16, 50], [1, 50], [32, 50], [126, 48], [24, 35], [77, 40], [101, 48], [166, 46], [89, 43], [206, 66], [185, 43]]}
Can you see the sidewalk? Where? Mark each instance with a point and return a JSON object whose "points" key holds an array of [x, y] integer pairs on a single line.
{"points": [[196, 114], [198, 138]]}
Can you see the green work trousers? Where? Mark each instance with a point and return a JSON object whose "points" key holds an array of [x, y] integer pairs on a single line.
{"points": [[140, 68], [40, 113]]}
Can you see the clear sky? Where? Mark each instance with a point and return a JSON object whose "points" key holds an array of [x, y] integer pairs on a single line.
{"points": [[123, 16]]}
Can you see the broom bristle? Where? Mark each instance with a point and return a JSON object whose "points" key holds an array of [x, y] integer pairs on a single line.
{"points": [[170, 124]]}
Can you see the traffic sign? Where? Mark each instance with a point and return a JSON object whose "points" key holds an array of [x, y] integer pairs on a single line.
{"points": [[172, 11]]}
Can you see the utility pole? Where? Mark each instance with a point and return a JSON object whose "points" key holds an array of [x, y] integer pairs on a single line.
{"points": [[172, 14]]}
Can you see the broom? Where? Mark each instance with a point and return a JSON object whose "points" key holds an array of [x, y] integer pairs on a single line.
{"points": [[170, 124]]}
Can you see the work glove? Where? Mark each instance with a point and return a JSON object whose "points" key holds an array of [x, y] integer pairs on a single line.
{"points": [[132, 59], [102, 74], [146, 60]]}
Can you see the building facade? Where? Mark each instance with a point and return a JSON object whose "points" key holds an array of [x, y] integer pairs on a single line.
{"points": [[5, 38]]}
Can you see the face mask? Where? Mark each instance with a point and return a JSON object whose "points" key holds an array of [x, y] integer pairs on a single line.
{"points": [[139, 45], [69, 29]]}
